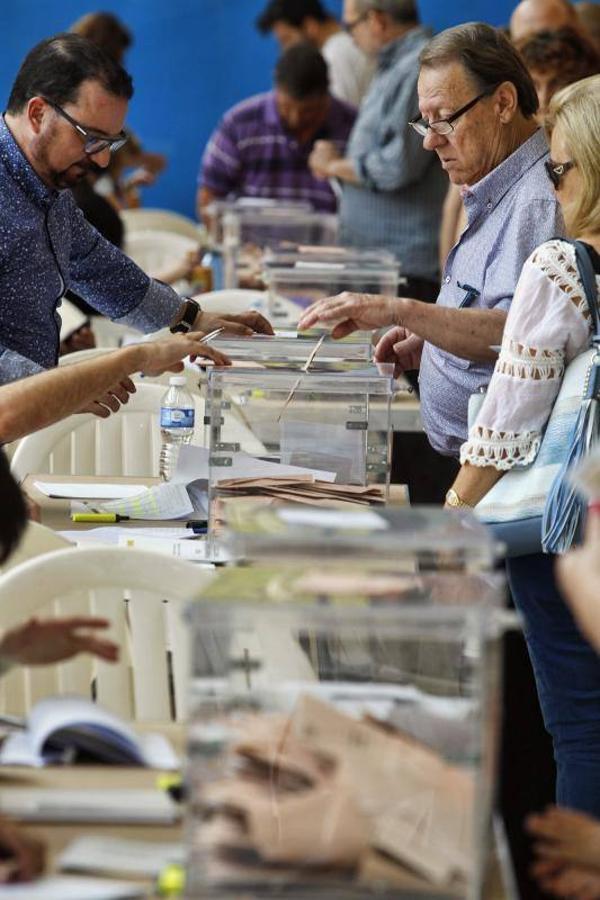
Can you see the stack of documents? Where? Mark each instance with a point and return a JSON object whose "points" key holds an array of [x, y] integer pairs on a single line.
{"points": [[302, 489]]}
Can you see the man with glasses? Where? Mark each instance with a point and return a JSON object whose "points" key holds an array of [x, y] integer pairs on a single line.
{"points": [[477, 112], [64, 118], [392, 191]]}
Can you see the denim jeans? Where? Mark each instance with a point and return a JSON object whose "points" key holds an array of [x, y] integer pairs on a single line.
{"points": [[567, 674]]}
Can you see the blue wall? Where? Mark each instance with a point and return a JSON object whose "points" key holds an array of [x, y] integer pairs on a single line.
{"points": [[191, 60]]}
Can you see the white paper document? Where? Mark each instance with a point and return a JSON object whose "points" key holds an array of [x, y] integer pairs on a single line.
{"points": [[65, 888], [117, 856], [112, 534], [97, 805], [193, 464], [87, 490], [165, 501]]}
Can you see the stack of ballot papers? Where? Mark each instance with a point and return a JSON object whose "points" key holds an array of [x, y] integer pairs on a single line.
{"points": [[65, 888], [120, 857], [302, 489], [320, 793]]}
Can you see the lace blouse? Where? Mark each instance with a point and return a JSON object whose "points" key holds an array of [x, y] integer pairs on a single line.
{"points": [[548, 325]]}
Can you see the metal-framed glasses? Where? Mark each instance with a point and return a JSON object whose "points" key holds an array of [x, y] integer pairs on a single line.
{"points": [[555, 171], [92, 141], [445, 126]]}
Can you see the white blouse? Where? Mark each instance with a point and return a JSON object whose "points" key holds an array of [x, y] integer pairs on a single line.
{"points": [[548, 325]]}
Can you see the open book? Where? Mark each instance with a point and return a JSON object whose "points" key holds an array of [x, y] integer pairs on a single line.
{"points": [[72, 729]]}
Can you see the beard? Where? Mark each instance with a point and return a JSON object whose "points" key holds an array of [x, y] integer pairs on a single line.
{"points": [[60, 178]]}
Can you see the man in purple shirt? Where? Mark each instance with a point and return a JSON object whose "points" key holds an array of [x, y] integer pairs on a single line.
{"points": [[261, 147]]}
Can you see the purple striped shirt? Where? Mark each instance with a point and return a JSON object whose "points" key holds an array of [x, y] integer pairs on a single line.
{"points": [[252, 154]]}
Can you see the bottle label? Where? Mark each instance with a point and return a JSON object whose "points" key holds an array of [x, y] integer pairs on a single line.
{"points": [[176, 418]]}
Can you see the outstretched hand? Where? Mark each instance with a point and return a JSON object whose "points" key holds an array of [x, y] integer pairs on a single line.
{"points": [[40, 643]]}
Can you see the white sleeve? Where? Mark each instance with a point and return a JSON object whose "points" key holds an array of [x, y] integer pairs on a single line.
{"points": [[350, 70], [548, 325]]}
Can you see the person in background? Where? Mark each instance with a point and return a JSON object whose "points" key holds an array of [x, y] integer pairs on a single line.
{"points": [[392, 190], [262, 146], [588, 17], [555, 59], [531, 16], [350, 70], [106, 31], [64, 118]]}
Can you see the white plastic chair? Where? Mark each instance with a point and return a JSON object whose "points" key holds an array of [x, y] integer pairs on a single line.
{"points": [[127, 443], [160, 220], [142, 594], [154, 251]]}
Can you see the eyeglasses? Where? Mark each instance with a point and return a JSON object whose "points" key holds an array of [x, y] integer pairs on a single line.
{"points": [[555, 171], [93, 142], [445, 126], [350, 26]]}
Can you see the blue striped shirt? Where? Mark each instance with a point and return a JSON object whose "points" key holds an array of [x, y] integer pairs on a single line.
{"points": [[509, 212], [46, 247], [398, 203]]}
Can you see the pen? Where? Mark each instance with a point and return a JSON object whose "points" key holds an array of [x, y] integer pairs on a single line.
{"points": [[97, 517], [211, 335]]}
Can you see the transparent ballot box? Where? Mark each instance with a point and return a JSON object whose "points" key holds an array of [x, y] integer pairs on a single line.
{"points": [[293, 349], [342, 732], [323, 438], [306, 274], [248, 208]]}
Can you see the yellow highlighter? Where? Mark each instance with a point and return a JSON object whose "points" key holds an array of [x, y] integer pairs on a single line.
{"points": [[97, 517]]}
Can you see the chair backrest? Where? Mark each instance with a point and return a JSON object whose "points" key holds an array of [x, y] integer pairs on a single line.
{"points": [[154, 250], [142, 594], [110, 334], [160, 220], [127, 443]]}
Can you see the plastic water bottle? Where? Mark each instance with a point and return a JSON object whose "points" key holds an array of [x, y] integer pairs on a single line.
{"points": [[177, 412]]}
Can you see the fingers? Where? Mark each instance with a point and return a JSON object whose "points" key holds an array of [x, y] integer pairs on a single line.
{"points": [[107, 650], [257, 322], [208, 352], [343, 329], [384, 351]]}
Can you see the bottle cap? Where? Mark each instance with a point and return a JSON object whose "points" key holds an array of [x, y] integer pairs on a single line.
{"points": [[178, 380]]}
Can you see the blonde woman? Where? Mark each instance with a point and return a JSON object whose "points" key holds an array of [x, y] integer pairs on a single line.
{"points": [[548, 326]]}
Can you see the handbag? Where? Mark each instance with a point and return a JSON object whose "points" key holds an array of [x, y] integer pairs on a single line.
{"points": [[534, 508]]}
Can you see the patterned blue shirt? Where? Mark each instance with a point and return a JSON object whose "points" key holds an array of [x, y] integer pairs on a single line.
{"points": [[398, 204], [46, 247], [509, 213]]}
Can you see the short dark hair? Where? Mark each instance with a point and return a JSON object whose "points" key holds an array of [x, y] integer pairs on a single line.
{"points": [[487, 55], [294, 12], [14, 513], [564, 52], [301, 71], [57, 67], [105, 31], [402, 12]]}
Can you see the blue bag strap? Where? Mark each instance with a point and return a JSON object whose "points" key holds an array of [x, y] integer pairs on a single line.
{"points": [[588, 279]]}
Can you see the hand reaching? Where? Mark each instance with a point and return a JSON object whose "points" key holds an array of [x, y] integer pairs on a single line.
{"points": [[22, 856], [54, 640], [348, 312], [248, 323]]}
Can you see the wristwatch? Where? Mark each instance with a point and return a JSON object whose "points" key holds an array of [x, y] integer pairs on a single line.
{"points": [[185, 317], [453, 500]]}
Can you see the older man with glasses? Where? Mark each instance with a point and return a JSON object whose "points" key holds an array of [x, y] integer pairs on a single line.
{"points": [[477, 106], [64, 118]]}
